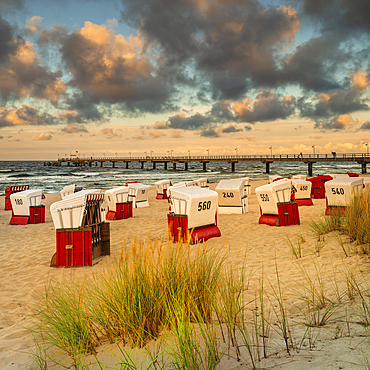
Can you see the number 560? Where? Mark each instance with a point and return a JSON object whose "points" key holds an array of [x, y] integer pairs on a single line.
{"points": [[202, 206]]}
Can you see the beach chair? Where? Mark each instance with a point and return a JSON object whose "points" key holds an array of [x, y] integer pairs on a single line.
{"points": [[202, 183], [318, 186], [247, 186], [82, 235], [339, 191], [70, 189], [138, 194], [276, 205], [161, 188], [232, 197], [193, 216], [274, 177], [366, 182], [302, 193], [181, 184], [338, 175], [27, 208], [300, 177], [11, 190], [119, 207]]}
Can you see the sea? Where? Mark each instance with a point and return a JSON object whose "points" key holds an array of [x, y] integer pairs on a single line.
{"points": [[52, 179]]}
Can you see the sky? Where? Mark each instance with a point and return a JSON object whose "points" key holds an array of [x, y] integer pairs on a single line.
{"points": [[217, 77]]}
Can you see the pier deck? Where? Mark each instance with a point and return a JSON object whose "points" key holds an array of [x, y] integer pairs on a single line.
{"points": [[361, 158]]}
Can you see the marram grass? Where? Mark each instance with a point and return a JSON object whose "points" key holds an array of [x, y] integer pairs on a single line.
{"points": [[357, 220], [134, 300], [194, 298]]}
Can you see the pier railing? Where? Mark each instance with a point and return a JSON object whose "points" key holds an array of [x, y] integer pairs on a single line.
{"points": [[361, 158], [251, 157]]}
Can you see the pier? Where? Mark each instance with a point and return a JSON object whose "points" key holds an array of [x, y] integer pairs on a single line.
{"points": [[310, 159]]}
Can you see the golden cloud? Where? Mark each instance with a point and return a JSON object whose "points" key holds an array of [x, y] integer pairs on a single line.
{"points": [[23, 75], [176, 136], [25, 115], [42, 137], [139, 136], [244, 108], [294, 23], [342, 121], [111, 133], [160, 125], [33, 24], [73, 128], [110, 67], [156, 135], [360, 80]]}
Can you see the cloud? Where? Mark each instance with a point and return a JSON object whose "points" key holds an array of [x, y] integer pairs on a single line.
{"points": [[360, 80], [26, 115], [71, 116], [228, 42], [209, 132], [33, 24], [189, 51], [230, 129], [8, 4], [21, 71], [337, 123], [42, 137], [139, 136], [110, 133], [327, 105], [179, 121], [109, 68], [7, 44], [54, 35], [312, 65], [340, 15], [160, 125], [156, 135], [365, 126], [245, 137], [73, 128], [267, 106]]}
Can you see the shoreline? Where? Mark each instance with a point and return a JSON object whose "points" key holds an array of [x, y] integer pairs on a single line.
{"points": [[26, 251]]}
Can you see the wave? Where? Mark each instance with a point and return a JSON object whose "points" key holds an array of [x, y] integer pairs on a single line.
{"points": [[87, 173]]}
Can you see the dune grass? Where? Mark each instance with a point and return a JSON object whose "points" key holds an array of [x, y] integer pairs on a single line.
{"points": [[193, 301], [140, 295], [354, 222], [63, 321], [357, 220], [296, 250]]}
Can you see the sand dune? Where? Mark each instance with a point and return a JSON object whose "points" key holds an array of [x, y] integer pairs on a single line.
{"points": [[25, 253]]}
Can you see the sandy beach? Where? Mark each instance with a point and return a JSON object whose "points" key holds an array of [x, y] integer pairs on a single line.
{"points": [[25, 253]]}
